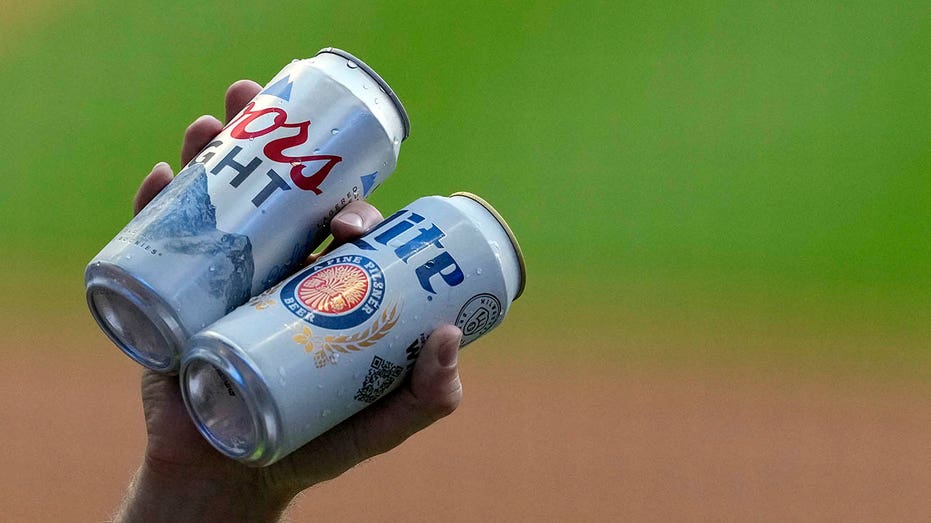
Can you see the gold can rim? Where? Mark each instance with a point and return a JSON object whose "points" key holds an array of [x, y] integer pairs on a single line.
{"points": [[507, 229]]}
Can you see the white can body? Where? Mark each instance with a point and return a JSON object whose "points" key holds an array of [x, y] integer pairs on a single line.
{"points": [[249, 208], [325, 343]]}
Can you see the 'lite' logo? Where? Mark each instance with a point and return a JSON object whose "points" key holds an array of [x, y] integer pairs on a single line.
{"points": [[396, 232]]}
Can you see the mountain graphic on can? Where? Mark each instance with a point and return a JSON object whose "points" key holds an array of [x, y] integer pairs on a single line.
{"points": [[249, 208]]}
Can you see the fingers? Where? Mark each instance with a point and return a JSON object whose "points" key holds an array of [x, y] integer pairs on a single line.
{"points": [[198, 135], [238, 95], [151, 185], [433, 392], [203, 129]]}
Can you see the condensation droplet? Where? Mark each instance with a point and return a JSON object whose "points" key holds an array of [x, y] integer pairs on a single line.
{"points": [[365, 85], [396, 141], [129, 256], [352, 65], [212, 269], [317, 150], [319, 387], [325, 413], [478, 271], [334, 131]]}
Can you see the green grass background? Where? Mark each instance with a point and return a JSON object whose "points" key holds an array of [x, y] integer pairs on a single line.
{"points": [[724, 182]]}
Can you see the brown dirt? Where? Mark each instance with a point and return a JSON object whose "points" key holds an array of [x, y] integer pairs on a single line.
{"points": [[533, 441]]}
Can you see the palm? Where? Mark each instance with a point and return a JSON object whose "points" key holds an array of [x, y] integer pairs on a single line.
{"points": [[177, 452]]}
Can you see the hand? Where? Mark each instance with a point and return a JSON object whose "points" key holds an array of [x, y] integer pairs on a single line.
{"points": [[184, 478]]}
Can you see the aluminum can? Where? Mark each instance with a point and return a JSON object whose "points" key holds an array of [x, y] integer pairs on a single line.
{"points": [[335, 337], [249, 208]]}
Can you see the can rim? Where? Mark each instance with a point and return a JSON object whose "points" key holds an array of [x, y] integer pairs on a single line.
{"points": [[507, 229], [405, 120], [223, 354], [146, 302]]}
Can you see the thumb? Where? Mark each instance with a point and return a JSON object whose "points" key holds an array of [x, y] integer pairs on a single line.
{"points": [[434, 391]]}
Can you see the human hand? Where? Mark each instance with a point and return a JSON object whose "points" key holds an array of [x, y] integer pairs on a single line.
{"points": [[183, 478]]}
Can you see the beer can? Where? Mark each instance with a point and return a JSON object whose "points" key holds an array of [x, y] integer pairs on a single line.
{"points": [[327, 342], [249, 208]]}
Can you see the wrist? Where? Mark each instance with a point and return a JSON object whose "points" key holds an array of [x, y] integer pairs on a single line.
{"points": [[157, 494]]}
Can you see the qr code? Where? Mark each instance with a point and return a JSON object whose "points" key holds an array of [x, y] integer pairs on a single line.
{"points": [[382, 374]]}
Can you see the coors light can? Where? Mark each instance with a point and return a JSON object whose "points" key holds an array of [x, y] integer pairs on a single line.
{"points": [[249, 208], [335, 337]]}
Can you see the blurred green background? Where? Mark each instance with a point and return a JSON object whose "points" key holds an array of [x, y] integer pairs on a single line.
{"points": [[726, 183]]}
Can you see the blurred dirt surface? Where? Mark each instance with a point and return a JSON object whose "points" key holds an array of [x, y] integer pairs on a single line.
{"points": [[533, 441]]}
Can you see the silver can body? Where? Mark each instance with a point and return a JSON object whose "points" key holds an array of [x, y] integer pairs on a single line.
{"points": [[249, 208], [335, 337]]}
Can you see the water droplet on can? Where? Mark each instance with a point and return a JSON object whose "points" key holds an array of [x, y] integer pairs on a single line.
{"points": [[325, 413], [316, 150], [212, 269], [365, 85], [129, 256], [334, 131], [478, 271], [396, 141], [351, 65]]}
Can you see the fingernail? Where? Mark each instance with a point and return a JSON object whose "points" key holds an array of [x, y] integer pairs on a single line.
{"points": [[161, 164], [351, 218], [449, 353]]}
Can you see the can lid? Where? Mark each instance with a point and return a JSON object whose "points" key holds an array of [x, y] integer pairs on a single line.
{"points": [[405, 120], [134, 317], [507, 229]]}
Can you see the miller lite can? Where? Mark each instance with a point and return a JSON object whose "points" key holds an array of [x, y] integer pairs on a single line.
{"points": [[249, 208], [322, 345]]}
